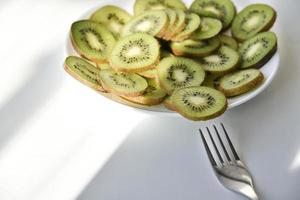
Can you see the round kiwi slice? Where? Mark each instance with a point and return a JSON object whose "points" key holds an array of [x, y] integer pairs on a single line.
{"points": [[121, 83], [141, 6], [135, 53], [199, 102], [229, 41], [192, 22], [221, 62], [178, 72], [251, 20], [240, 82], [195, 47], [112, 17], [209, 28], [224, 10], [83, 71], [92, 40], [258, 50], [179, 25], [152, 22], [152, 95]]}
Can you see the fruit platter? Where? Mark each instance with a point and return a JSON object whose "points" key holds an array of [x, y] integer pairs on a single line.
{"points": [[197, 60]]}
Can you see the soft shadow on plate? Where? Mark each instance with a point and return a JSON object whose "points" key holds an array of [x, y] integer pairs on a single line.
{"points": [[33, 94]]}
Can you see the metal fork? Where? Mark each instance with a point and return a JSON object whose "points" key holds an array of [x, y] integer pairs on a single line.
{"points": [[231, 172]]}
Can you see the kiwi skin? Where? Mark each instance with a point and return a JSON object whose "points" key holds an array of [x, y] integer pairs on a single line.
{"points": [[168, 104], [266, 58], [83, 81], [244, 89]]}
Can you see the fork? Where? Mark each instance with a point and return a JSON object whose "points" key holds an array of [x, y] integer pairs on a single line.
{"points": [[231, 172]]}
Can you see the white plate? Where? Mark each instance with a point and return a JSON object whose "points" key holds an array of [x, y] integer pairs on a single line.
{"points": [[269, 69]]}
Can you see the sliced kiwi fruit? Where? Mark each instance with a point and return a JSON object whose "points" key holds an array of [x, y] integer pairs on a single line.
{"points": [[104, 66], [258, 50], [83, 71], [152, 22], [209, 28], [141, 6], [178, 72], [221, 62], [223, 10], [192, 22], [212, 80], [92, 40], [168, 103], [240, 82], [229, 41], [151, 73], [179, 25], [196, 48], [152, 95], [135, 53], [172, 17], [113, 17], [199, 102], [251, 20], [122, 84]]}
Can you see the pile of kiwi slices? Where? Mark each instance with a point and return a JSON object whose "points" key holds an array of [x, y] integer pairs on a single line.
{"points": [[189, 59]]}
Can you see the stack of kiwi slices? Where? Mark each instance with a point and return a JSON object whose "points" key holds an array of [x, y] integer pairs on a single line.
{"points": [[190, 59]]}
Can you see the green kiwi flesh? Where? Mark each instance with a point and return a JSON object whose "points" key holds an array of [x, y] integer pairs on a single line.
{"points": [[179, 24], [258, 50], [152, 95], [172, 17], [83, 71], [199, 102], [151, 73], [251, 20], [113, 17], [141, 6], [229, 41], [209, 28], [240, 82], [122, 84], [192, 24], [223, 10], [195, 48], [153, 22], [92, 40], [221, 62], [178, 72], [135, 53], [212, 80]]}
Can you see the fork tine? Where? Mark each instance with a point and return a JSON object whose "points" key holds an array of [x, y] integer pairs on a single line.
{"points": [[210, 156], [230, 143], [215, 146], [222, 144]]}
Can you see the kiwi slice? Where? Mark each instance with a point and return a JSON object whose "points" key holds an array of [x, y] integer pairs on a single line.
{"points": [[223, 10], [192, 22], [199, 102], [113, 17], [92, 40], [240, 82], [152, 95], [178, 72], [151, 73], [258, 50], [179, 25], [104, 66], [135, 53], [209, 28], [141, 6], [251, 20], [229, 41], [195, 48], [168, 103], [122, 84], [83, 71], [221, 62], [211, 80], [172, 17], [152, 22]]}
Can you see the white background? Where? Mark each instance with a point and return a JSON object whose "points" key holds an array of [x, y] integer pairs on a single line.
{"points": [[56, 135]]}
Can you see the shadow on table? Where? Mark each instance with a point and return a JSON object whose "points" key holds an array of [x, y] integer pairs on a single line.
{"points": [[162, 158], [32, 96]]}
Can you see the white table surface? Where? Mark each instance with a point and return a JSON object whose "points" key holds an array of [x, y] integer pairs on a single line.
{"points": [[57, 135]]}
